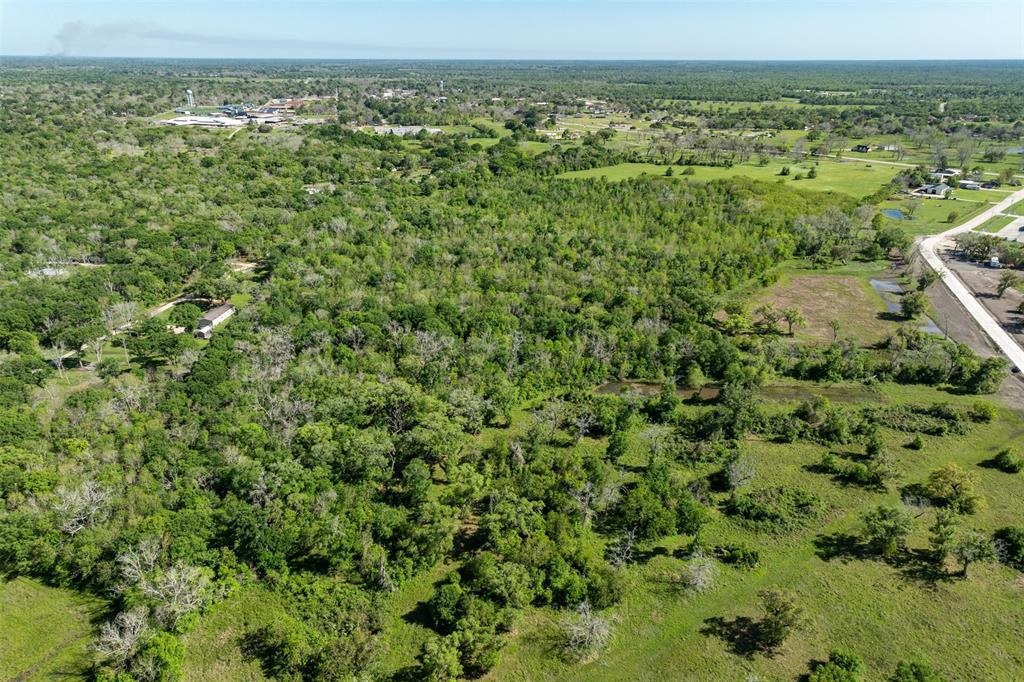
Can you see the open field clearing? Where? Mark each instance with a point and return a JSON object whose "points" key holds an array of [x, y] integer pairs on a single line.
{"points": [[855, 179], [823, 297], [45, 631], [215, 649], [930, 216]]}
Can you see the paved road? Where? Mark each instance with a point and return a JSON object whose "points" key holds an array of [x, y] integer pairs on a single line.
{"points": [[1013, 230], [991, 326], [901, 164]]}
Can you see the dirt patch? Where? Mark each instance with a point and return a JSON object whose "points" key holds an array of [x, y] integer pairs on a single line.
{"points": [[958, 325], [982, 281]]}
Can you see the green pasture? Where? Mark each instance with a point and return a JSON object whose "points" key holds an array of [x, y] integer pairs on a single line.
{"points": [[44, 631], [855, 179]]}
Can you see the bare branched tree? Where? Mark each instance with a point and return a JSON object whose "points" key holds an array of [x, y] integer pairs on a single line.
{"points": [[582, 423], [81, 507], [137, 562], [698, 575], [621, 552], [739, 471], [586, 632], [178, 591], [119, 639]]}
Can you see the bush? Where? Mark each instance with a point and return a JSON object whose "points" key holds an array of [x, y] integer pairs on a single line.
{"points": [[885, 529], [164, 654], [915, 672], [440, 659], [982, 412], [1010, 546], [739, 555], [916, 443], [953, 487], [447, 605], [775, 508], [840, 667], [1006, 460]]}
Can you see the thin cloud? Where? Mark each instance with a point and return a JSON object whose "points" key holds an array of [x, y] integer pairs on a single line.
{"points": [[79, 37]]}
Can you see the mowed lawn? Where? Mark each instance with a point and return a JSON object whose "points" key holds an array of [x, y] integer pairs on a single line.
{"points": [[932, 215], [885, 612], [849, 177], [997, 223], [44, 631]]}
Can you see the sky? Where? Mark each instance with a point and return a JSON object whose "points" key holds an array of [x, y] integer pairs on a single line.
{"points": [[517, 29]]}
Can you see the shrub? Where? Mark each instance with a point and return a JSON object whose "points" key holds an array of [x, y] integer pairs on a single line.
{"points": [[840, 667], [916, 443], [982, 412], [775, 508], [1006, 460], [915, 672], [1009, 543], [739, 555]]}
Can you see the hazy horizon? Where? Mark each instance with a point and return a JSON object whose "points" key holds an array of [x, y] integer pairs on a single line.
{"points": [[520, 30]]}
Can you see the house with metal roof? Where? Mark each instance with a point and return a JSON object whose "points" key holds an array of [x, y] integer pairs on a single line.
{"points": [[213, 318]]}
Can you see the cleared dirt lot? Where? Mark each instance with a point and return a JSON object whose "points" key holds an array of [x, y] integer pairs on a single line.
{"points": [[822, 297], [955, 321], [982, 281]]}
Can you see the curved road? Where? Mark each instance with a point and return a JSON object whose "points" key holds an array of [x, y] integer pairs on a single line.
{"points": [[991, 326]]}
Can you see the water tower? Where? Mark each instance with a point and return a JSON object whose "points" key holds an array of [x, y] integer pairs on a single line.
{"points": [[191, 100]]}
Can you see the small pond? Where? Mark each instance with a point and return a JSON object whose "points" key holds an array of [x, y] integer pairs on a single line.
{"points": [[890, 292], [894, 213]]}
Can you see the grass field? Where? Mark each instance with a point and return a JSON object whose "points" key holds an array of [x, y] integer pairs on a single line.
{"points": [[213, 650], [996, 223], [44, 631], [1016, 209], [923, 156], [855, 179], [932, 215], [883, 611]]}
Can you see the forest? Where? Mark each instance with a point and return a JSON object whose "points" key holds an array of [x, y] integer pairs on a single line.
{"points": [[416, 383]]}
